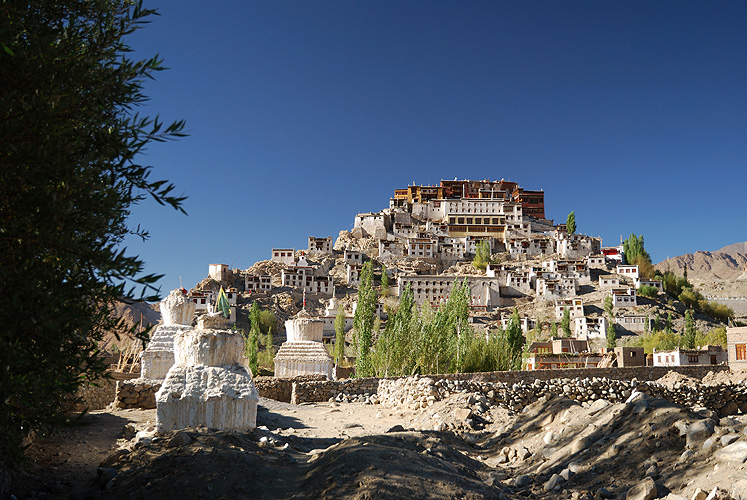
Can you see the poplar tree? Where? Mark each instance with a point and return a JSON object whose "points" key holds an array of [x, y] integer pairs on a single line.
{"points": [[252, 341], [384, 281], [70, 173], [570, 223], [566, 322], [364, 319], [611, 331], [514, 340], [688, 337], [340, 335]]}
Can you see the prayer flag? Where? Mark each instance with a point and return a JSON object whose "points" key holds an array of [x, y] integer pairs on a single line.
{"points": [[221, 304]]}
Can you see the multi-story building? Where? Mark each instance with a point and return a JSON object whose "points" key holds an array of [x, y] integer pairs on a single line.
{"points": [[624, 297], [484, 291], [257, 283], [285, 256], [320, 245]]}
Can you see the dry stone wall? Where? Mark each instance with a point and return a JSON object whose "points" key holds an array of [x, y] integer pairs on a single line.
{"points": [[137, 393], [725, 399], [99, 394]]}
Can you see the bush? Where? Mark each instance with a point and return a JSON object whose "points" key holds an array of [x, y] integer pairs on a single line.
{"points": [[648, 291]]}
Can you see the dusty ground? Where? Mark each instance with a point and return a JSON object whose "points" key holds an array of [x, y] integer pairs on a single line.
{"points": [[330, 450]]}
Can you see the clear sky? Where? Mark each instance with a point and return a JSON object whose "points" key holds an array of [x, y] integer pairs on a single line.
{"points": [[303, 113]]}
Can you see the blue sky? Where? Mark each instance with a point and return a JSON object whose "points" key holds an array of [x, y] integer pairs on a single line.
{"points": [[302, 114]]}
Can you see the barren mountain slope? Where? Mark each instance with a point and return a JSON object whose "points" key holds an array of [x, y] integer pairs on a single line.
{"points": [[728, 263]]}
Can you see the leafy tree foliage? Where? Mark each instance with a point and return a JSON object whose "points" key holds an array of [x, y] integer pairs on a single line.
{"points": [[442, 341], [514, 341], [633, 249], [69, 175], [363, 321], [482, 255], [340, 335], [251, 346], [384, 281], [611, 331], [565, 323], [570, 223], [648, 291], [688, 336]]}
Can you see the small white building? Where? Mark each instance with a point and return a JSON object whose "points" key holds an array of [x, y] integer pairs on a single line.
{"points": [[258, 283], [633, 323], [320, 245], [630, 272], [527, 324], [560, 288], [421, 247], [373, 224], [652, 283], [608, 281], [353, 257], [596, 262], [575, 308], [624, 297], [707, 355], [218, 272], [284, 256], [590, 326]]}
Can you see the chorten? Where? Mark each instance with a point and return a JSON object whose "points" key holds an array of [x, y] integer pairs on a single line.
{"points": [[177, 312], [303, 353]]}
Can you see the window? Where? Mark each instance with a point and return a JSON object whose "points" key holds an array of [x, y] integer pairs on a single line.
{"points": [[741, 351], [692, 359]]}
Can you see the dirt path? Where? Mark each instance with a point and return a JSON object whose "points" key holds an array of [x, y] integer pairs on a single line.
{"points": [[65, 463]]}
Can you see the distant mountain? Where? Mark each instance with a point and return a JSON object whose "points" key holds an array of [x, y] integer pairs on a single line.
{"points": [[728, 263]]}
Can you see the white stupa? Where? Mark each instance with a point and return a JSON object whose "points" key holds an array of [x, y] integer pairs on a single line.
{"points": [[177, 312], [207, 385], [303, 353]]}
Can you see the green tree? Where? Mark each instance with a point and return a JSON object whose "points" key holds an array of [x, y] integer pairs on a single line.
{"points": [[565, 323], [69, 176], [364, 319], [633, 249], [668, 327], [553, 329], [570, 223], [688, 336], [251, 346], [384, 281], [482, 255], [514, 341], [340, 335], [611, 331]]}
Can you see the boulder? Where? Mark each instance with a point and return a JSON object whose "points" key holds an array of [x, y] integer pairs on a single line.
{"points": [[734, 453], [645, 490]]}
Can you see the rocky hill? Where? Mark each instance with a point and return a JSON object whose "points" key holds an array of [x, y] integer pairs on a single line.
{"points": [[728, 264]]}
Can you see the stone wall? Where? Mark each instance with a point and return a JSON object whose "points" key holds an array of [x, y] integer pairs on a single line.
{"points": [[99, 394], [137, 393], [279, 389], [306, 390], [421, 392]]}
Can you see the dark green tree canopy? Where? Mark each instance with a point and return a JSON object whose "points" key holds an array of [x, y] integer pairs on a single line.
{"points": [[69, 174]]}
